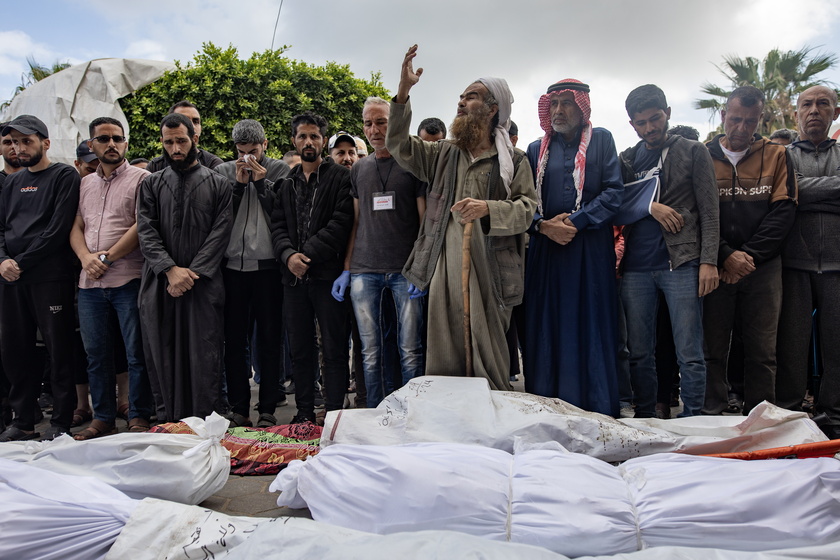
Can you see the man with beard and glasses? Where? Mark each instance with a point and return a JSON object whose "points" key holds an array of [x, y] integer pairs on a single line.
{"points": [[757, 190], [37, 208], [310, 228], [673, 251], [811, 263], [104, 238], [571, 354], [476, 177], [204, 157], [183, 222]]}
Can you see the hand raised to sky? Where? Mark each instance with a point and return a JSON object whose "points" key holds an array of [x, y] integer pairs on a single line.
{"points": [[408, 76]]}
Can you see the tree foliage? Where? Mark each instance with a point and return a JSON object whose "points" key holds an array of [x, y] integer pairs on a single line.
{"points": [[781, 75], [36, 73], [267, 87]]}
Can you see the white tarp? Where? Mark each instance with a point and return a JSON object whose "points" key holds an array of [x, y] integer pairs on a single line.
{"points": [[567, 502], [179, 467], [465, 410], [55, 516], [68, 100], [159, 529]]}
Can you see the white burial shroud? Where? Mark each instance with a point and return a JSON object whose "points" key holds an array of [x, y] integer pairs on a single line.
{"points": [[567, 502], [465, 410], [49, 515], [159, 529], [180, 467]]}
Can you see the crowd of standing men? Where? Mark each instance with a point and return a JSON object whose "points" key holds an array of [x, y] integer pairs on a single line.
{"points": [[192, 273]]}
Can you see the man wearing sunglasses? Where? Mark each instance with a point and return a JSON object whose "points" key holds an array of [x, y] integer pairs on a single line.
{"points": [[104, 238]]}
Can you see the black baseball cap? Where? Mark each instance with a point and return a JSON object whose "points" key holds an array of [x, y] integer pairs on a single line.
{"points": [[84, 154], [26, 124]]}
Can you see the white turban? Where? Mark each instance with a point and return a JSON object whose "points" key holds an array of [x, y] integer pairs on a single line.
{"points": [[500, 90]]}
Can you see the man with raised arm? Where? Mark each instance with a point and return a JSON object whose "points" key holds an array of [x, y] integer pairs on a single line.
{"points": [[478, 177]]}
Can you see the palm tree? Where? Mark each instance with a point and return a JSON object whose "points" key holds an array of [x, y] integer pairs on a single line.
{"points": [[781, 76], [36, 73]]}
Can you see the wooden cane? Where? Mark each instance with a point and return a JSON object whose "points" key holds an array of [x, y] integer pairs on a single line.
{"points": [[465, 290]]}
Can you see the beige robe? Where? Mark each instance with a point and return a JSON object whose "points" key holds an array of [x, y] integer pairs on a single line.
{"points": [[445, 352]]}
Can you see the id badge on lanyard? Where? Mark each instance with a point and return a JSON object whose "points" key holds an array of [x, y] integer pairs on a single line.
{"points": [[384, 200]]}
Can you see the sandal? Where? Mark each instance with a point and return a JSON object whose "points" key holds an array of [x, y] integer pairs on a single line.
{"points": [[138, 425], [80, 416], [97, 428], [266, 420], [238, 420], [122, 411]]}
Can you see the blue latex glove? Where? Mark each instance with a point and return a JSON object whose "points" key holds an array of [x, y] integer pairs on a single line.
{"points": [[339, 287], [415, 292]]}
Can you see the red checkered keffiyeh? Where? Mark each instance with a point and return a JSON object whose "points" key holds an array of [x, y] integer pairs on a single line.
{"points": [[581, 94]]}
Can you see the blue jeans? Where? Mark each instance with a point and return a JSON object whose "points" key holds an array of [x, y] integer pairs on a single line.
{"points": [[367, 291], [640, 298], [95, 307], [625, 387]]}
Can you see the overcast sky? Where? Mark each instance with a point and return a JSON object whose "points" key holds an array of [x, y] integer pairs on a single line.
{"points": [[613, 45]]}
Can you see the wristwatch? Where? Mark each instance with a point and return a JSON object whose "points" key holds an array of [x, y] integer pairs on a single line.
{"points": [[536, 226], [105, 260]]}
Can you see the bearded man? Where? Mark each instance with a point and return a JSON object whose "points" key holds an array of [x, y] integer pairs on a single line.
{"points": [[11, 163], [571, 301], [37, 208], [477, 176], [183, 222]]}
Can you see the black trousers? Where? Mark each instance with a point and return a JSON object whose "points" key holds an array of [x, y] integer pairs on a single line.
{"points": [[253, 298], [48, 307], [304, 303], [804, 292], [757, 299]]}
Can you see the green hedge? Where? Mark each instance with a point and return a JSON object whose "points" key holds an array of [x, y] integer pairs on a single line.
{"points": [[267, 87]]}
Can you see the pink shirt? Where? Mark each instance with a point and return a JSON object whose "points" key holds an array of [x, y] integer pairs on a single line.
{"points": [[108, 206]]}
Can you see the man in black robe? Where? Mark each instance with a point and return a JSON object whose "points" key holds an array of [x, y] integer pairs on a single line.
{"points": [[184, 222]]}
